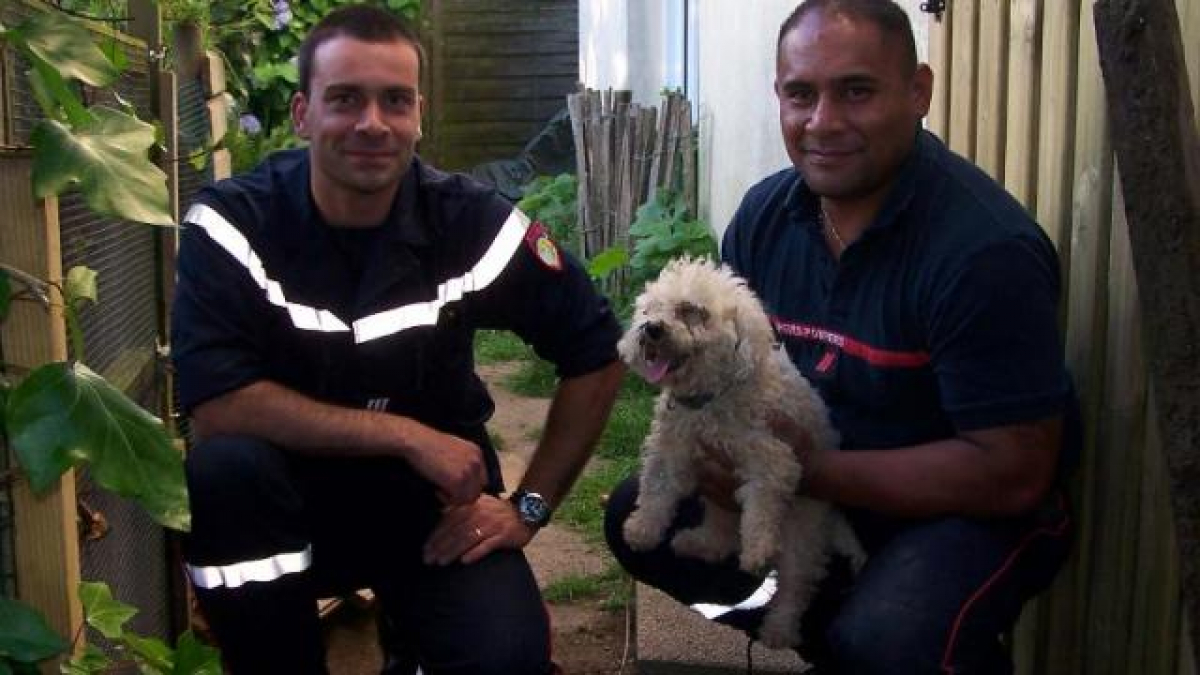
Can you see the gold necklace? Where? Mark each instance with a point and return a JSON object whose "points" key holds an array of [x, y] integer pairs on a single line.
{"points": [[828, 223]]}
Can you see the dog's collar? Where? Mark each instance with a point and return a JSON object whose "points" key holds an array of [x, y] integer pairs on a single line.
{"points": [[693, 402]]}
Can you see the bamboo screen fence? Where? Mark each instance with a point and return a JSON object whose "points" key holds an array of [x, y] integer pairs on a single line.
{"points": [[624, 152], [1019, 90]]}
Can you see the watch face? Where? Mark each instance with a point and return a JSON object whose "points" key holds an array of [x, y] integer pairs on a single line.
{"points": [[533, 509]]}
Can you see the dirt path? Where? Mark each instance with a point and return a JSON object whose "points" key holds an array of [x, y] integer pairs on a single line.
{"points": [[587, 640]]}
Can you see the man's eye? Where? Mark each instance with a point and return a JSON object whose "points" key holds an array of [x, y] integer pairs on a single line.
{"points": [[858, 93]]}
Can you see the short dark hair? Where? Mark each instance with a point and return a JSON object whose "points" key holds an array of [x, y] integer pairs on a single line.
{"points": [[368, 23], [887, 15]]}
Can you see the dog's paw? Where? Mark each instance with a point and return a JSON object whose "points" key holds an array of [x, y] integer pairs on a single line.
{"points": [[695, 543], [640, 535]]}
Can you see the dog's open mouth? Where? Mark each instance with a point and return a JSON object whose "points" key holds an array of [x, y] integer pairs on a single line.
{"points": [[656, 365]]}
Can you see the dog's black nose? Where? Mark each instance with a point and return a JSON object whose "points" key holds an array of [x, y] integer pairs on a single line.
{"points": [[653, 330]]}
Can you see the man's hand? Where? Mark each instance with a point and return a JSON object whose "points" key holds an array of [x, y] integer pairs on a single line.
{"points": [[800, 441], [454, 465], [468, 533]]}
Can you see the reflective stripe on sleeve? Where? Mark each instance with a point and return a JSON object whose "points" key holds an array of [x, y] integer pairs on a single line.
{"points": [[381, 324], [487, 270], [758, 598], [236, 574], [235, 244]]}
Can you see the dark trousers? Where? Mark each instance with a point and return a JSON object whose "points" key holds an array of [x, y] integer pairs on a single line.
{"points": [[364, 522], [935, 596]]}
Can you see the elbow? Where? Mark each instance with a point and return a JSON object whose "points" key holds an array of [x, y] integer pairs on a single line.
{"points": [[1022, 494]]}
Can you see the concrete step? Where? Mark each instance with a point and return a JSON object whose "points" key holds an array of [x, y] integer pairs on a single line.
{"points": [[675, 640]]}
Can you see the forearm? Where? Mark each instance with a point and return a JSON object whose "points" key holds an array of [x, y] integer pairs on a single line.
{"points": [[292, 420], [996, 472], [577, 416]]}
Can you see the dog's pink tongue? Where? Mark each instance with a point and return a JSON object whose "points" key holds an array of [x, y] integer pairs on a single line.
{"points": [[656, 370]]}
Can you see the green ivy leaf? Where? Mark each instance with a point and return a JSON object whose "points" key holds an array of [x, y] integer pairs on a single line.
{"points": [[102, 611], [107, 158], [80, 284], [24, 634], [63, 414], [152, 651], [5, 295], [114, 51], [56, 98], [92, 661], [193, 657], [607, 261], [62, 41]]}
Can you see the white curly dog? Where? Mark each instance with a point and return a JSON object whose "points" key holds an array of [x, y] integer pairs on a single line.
{"points": [[701, 335]]}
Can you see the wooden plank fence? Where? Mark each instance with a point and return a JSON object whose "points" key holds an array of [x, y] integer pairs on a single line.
{"points": [[1019, 90], [624, 153]]}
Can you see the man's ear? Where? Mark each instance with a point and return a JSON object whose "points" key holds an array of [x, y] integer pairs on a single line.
{"points": [[420, 116], [299, 112], [922, 89]]}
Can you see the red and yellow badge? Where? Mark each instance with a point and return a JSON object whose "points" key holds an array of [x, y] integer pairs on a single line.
{"points": [[543, 247]]}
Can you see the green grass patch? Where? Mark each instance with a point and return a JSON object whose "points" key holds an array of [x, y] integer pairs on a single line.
{"points": [[494, 346], [630, 420], [612, 585], [583, 509], [534, 378]]}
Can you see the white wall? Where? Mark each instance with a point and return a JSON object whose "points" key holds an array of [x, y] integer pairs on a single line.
{"points": [[622, 45], [634, 44]]}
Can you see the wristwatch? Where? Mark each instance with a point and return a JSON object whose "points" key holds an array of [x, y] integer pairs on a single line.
{"points": [[531, 507]]}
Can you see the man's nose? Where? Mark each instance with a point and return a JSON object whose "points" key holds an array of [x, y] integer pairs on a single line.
{"points": [[826, 114], [371, 120]]}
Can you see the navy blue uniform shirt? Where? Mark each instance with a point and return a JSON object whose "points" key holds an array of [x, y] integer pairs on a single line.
{"points": [[942, 317], [381, 319]]}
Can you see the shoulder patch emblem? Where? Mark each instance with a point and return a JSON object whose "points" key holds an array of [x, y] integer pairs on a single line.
{"points": [[543, 247]]}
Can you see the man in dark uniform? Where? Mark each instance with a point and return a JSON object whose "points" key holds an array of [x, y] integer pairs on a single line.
{"points": [[921, 301], [322, 335]]}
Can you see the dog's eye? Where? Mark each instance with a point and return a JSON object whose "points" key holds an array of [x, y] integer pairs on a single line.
{"points": [[691, 314]]}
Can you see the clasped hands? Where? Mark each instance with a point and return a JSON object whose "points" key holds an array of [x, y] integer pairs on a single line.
{"points": [[473, 523]]}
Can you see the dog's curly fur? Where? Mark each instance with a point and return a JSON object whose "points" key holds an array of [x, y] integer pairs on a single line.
{"points": [[700, 334]]}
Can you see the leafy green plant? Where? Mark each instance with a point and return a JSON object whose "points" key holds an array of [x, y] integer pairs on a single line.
{"points": [[662, 231], [553, 202], [61, 415]]}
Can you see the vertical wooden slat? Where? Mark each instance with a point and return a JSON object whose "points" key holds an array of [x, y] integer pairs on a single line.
{"points": [[1060, 31], [433, 80], [1156, 613], [1189, 27], [1085, 255], [6, 116], [940, 34], [1024, 77], [992, 90], [45, 540], [1187, 663], [965, 54]]}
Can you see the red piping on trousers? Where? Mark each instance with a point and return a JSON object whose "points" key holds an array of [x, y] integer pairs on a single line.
{"points": [[947, 667]]}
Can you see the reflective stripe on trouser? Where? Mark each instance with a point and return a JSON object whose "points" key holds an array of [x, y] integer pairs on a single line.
{"points": [[364, 522]]}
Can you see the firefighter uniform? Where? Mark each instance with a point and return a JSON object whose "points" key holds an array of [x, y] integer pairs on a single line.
{"points": [[379, 319]]}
